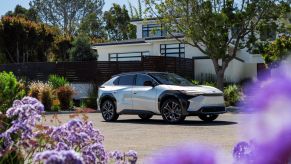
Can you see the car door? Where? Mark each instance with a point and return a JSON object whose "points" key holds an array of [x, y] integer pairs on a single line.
{"points": [[144, 97], [124, 92]]}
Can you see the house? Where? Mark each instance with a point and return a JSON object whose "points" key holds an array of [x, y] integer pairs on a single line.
{"points": [[152, 40]]}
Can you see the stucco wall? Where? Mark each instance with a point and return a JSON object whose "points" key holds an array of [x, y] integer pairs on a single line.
{"points": [[235, 72]]}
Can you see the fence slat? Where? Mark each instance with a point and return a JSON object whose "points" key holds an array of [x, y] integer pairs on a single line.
{"points": [[100, 71]]}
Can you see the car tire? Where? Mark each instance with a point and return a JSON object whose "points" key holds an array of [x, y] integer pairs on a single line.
{"points": [[108, 110], [172, 111], [145, 116], [208, 117]]}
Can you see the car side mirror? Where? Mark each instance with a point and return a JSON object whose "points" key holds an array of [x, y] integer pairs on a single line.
{"points": [[148, 84]]}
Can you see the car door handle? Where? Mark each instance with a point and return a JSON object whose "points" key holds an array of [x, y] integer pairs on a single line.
{"points": [[134, 93]]}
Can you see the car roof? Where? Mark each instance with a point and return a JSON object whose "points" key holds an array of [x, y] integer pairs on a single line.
{"points": [[138, 72]]}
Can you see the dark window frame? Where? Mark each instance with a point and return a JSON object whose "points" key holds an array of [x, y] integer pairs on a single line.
{"points": [[148, 28], [118, 55], [180, 48]]}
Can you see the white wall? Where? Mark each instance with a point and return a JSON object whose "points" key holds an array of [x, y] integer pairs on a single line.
{"points": [[235, 72], [104, 51]]}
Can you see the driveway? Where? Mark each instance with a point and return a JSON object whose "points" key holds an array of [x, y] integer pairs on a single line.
{"points": [[146, 137]]}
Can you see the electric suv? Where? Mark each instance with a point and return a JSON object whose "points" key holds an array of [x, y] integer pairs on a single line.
{"points": [[158, 93]]}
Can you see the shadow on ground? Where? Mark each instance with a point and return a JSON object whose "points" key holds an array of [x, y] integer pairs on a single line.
{"points": [[184, 123]]}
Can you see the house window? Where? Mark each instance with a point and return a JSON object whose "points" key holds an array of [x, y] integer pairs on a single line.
{"points": [[152, 30], [130, 56], [173, 50]]}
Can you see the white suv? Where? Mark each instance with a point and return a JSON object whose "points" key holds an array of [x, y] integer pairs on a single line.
{"points": [[157, 93]]}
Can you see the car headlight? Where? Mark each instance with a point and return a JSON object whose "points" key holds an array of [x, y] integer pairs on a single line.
{"points": [[191, 93]]}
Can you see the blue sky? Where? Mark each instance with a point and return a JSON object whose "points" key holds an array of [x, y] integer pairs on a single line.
{"points": [[6, 5]]}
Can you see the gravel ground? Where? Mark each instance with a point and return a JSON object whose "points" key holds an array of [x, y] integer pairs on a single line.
{"points": [[146, 137]]}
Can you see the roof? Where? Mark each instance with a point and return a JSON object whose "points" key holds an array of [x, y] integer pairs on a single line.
{"points": [[135, 41], [138, 72], [139, 20]]}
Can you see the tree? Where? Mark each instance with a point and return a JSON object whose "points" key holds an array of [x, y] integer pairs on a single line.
{"points": [[66, 14], [81, 49], [118, 24], [136, 13], [20, 11], [277, 50], [93, 26], [61, 46], [206, 25], [22, 40]]}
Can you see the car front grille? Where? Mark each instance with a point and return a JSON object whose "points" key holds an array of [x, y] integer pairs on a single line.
{"points": [[213, 110]]}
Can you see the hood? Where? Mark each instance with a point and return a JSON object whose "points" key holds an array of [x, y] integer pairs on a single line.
{"points": [[197, 88]]}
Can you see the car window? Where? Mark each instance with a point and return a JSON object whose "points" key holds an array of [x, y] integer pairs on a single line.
{"points": [[140, 79], [126, 80]]}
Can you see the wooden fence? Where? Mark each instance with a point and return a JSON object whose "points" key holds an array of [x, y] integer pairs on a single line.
{"points": [[100, 71]]}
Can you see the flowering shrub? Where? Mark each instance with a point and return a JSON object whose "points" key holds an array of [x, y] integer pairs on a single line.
{"points": [[65, 95], [73, 142], [269, 128]]}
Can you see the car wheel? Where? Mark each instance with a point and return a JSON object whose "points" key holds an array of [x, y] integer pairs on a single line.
{"points": [[208, 117], [145, 116], [172, 111], [108, 111]]}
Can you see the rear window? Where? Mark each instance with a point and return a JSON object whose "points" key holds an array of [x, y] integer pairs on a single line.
{"points": [[124, 80]]}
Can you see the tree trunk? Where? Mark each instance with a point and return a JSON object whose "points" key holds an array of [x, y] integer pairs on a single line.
{"points": [[220, 79]]}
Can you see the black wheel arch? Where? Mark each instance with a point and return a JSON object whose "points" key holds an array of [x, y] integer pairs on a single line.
{"points": [[106, 96], [182, 98]]}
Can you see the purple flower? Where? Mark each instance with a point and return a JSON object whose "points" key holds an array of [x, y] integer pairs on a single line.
{"points": [[58, 157], [131, 156], [244, 151], [185, 154], [26, 113]]}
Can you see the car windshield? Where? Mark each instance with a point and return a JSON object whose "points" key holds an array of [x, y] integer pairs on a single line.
{"points": [[171, 79]]}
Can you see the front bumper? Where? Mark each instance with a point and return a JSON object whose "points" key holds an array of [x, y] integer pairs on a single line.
{"points": [[206, 104]]}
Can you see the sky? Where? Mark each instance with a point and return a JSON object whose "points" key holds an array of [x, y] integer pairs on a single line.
{"points": [[7, 5]]}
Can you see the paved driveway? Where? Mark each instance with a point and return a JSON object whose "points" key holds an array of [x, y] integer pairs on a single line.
{"points": [[146, 137]]}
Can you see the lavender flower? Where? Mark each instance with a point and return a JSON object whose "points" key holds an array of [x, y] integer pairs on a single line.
{"points": [[269, 127], [58, 157], [26, 113], [131, 156], [190, 154], [244, 151]]}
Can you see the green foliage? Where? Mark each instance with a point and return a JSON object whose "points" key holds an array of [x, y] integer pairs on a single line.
{"points": [[206, 25], [57, 81], [43, 92], [29, 14], [136, 13], [10, 90], [81, 50], [117, 23], [232, 95], [46, 97], [65, 96], [93, 26], [277, 50], [61, 47], [22, 40], [66, 14], [195, 82]]}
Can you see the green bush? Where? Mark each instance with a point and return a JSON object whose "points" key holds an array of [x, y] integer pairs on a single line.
{"points": [[65, 96], [57, 81], [232, 95], [43, 92], [10, 90], [46, 97]]}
